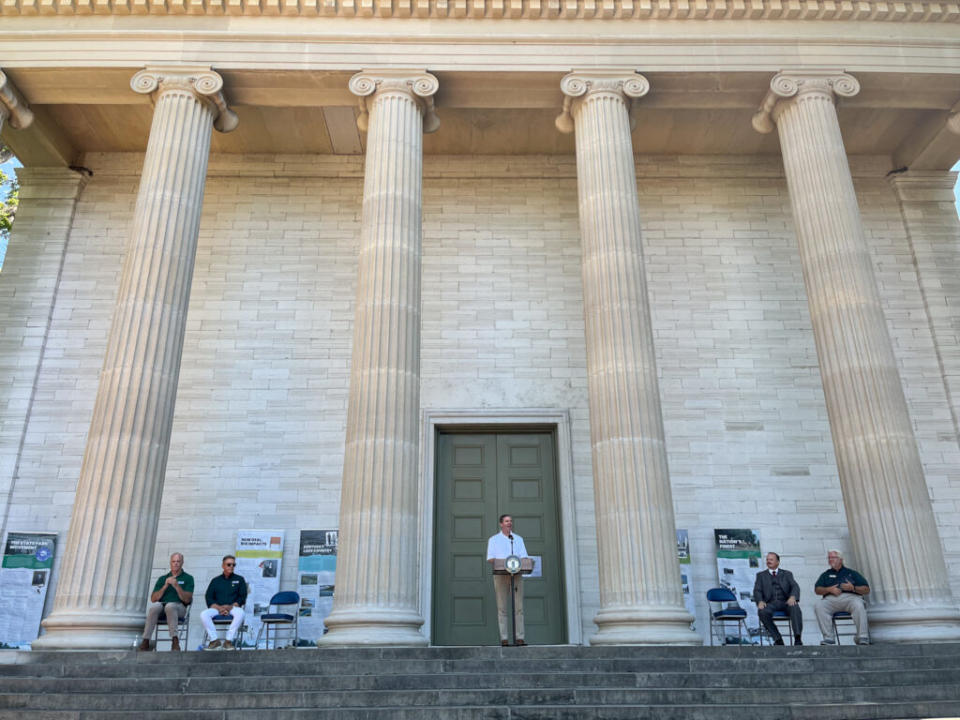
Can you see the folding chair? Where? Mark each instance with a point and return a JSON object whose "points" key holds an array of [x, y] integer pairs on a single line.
{"points": [[221, 623], [782, 620], [842, 616], [276, 621], [183, 631], [728, 614]]}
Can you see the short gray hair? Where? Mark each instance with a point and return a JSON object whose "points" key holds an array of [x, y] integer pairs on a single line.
{"points": [[177, 554], [838, 553]]}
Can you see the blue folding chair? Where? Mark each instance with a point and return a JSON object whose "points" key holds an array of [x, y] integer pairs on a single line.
{"points": [[782, 620], [277, 621], [841, 616], [222, 623], [183, 631], [726, 614]]}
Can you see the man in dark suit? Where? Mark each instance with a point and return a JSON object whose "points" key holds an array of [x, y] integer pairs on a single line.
{"points": [[775, 589]]}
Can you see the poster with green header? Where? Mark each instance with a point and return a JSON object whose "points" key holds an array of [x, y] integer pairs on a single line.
{"points": [[259, 562], [24, 578], [738, 561]]}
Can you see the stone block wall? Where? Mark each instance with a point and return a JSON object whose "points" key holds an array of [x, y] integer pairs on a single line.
{"points": [[261, 411]]}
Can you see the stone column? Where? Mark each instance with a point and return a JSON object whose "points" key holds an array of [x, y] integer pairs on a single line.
{"points": [[930, 217], [104, 577], [641, 601], [377, 600], [13, 108], [891, 521]]}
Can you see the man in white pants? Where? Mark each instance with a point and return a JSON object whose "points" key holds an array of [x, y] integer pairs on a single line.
{"points": [[502, 545], [226, 595], [841, 589]]}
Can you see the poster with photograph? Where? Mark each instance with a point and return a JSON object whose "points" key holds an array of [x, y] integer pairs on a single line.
{"points": [[316, 572], [259, 562], [24, 578], [738, 561], [686, 572]]}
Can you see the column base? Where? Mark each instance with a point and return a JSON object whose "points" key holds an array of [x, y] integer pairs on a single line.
{"points": [[89, 630], [378, 626], [914, 622], [644, 625]]}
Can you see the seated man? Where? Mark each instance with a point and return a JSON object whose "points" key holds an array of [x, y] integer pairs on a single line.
{"points": [[841, 589], [171, 595], [226, 595], [775, 589]]}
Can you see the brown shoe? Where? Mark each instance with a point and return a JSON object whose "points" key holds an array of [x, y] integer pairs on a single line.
{"points": [[175, 644], [504, 643], [213, 645], [144, 644], [227, 645], [519, 643]]}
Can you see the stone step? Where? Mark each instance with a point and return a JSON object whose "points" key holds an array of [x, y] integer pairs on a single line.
{"points": [[223, 664], [496, 652], [229, 699], [309, 681], [835, 711]]}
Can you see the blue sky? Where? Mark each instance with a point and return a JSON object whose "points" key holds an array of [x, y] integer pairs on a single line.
{"points": [[11, 166]]}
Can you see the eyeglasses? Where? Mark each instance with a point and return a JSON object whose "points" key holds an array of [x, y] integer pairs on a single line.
{"points": [[229, 564]]}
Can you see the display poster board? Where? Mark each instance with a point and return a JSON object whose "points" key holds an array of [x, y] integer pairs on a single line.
{"points": [[316, 573], [24, 578], [686, 573], [738, 561], [259, 562]]}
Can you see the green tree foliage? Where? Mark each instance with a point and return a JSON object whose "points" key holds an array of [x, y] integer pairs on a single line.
{"points": [[9, 199]]}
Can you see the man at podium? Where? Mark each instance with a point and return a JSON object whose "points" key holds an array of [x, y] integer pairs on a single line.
{"points": [[499, 547]]}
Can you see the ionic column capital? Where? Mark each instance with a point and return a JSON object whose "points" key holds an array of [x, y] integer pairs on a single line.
{"points": [[625, 83], [13, 108], [953, 122], [419, 85], [202, 82], [789, 84]]}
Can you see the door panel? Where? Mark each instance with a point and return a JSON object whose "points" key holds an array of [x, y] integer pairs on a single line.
{"points": [[480, 476]]}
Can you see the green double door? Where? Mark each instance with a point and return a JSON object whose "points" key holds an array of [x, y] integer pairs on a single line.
{"points": [[480, 477]]}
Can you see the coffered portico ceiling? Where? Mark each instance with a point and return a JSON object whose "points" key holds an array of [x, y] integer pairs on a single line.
{"points": [[286, 64]]}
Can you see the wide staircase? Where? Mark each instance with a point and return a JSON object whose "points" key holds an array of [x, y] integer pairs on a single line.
{"points": [[881, 681]]}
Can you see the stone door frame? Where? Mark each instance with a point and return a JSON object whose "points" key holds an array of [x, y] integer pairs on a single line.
{"points": [[501, 421]]}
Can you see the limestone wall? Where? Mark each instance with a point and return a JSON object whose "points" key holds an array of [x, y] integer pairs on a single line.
{"points": [[260, 417]]}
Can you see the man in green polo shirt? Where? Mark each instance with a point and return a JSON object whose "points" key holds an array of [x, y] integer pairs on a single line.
{"points": [[171, 596], [226, 596]]}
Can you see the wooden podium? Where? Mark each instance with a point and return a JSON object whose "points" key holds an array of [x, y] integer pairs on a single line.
{"points": [[526, 566]]}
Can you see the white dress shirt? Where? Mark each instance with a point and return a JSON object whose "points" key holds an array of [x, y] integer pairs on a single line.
{"points": [[498, 546]]}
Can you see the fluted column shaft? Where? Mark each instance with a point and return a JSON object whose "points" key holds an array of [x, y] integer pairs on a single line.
{"points": [[377, 599], [927, 205], [640, 594], [104, 577], [891, 521]]}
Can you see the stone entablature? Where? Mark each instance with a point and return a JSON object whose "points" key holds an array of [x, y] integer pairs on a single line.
{"points": [[512, 9]]}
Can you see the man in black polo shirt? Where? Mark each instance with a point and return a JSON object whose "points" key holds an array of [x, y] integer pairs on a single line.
{"points": [[841, 589], [226, 595]]}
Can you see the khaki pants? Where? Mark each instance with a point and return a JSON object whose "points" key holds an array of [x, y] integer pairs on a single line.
{"points": [[172, 611], [501, 585], [830, 604]]}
